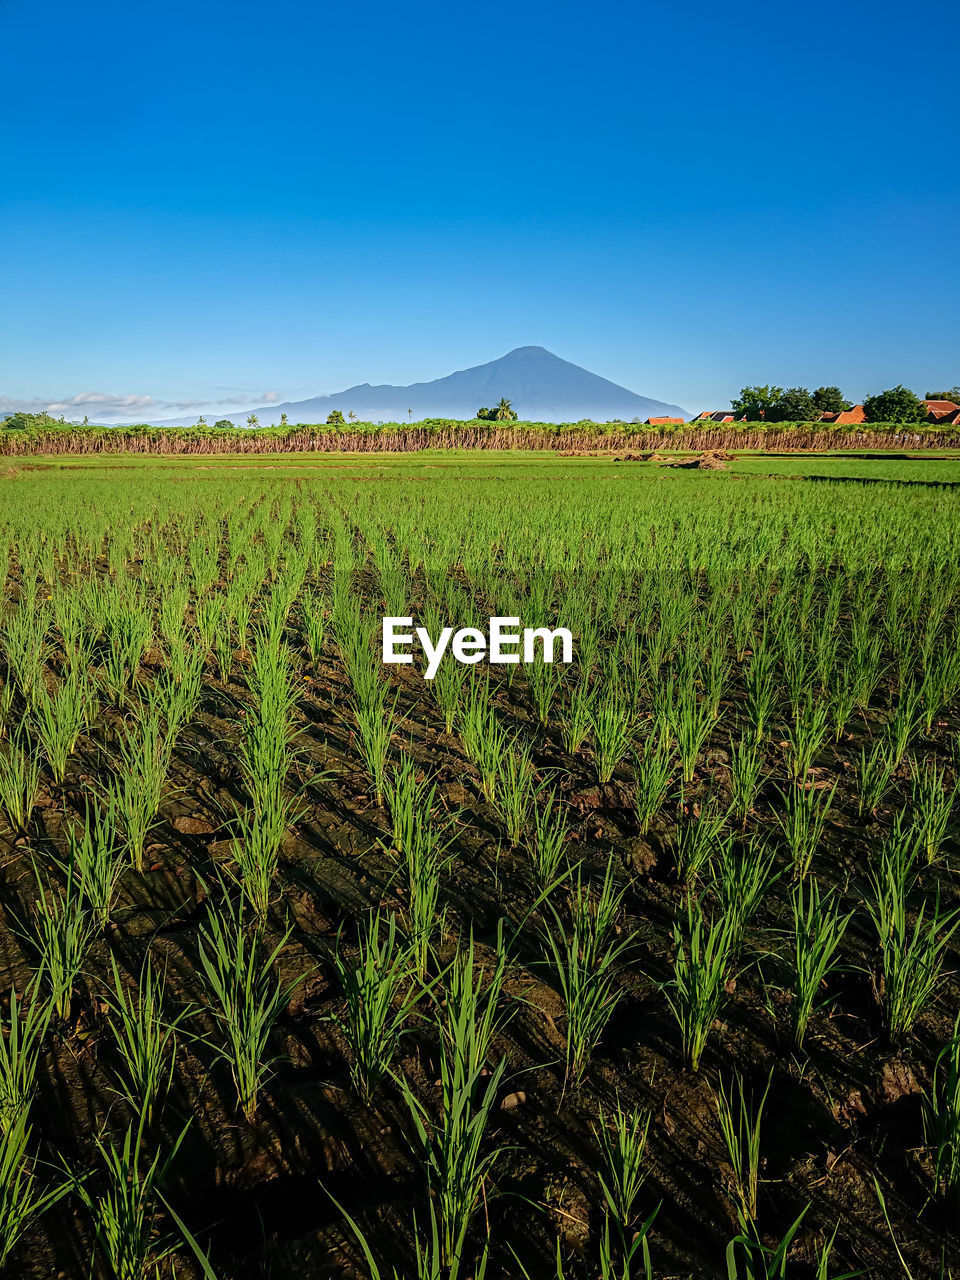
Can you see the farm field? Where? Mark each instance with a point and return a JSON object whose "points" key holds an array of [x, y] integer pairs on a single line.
{"points": [[641, 966]]}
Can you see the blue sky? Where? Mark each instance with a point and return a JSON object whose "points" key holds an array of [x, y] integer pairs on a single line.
{"points": [[212, 203]]}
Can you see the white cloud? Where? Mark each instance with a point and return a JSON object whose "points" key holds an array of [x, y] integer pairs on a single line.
{"points": [[104, 406]]}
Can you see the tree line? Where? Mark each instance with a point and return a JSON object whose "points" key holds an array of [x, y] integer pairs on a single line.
{"points": [[797, 404]]}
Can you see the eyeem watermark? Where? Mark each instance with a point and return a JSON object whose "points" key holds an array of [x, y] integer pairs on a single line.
{"points": [[502, 642]]}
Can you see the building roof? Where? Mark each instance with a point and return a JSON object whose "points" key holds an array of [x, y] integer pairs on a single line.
{"points": [[940, 406]]}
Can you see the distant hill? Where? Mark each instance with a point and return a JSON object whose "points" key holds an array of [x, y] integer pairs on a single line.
{"points": [[541, 387]]}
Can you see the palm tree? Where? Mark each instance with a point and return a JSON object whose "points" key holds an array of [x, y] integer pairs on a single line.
{"points": [[504, 412], [283, 419], [253, 421]]}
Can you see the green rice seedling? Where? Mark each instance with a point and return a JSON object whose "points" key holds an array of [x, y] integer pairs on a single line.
{"points": [[19, 781], [256, 848], [516, 789], [612, 725], [247, 999], [716, 677], [740, 1122], [59, 718], [690, 723], [874, 775], [447, 689], [130, 636], [429, 1262], [146, 1039], [904, 723], [585, 966], [314, 624], [575, 722], [703, 958], [176, 694], [865, 660], [545, 680], [622, 1140], [126, 1211], [6, 707], [25, 647], [941, 1117], [22, 1201], [425, 860], [410, 802], [139, 780], [932, 802], [242, 611], [223, 652], [209, 617], [172, 619], [654, 771], [818, 929], [803, 822], [472, 1012], [380, 996], [740, 880], [59, 937], [376, 720], [95, 862], [911, 957], [699, 837], [746, 775], [547, 838], [483, 738], [21, 1039], [760, 687], [843, 703], [457, 1172], [940, 682], [806, 735], [769, 1262]]}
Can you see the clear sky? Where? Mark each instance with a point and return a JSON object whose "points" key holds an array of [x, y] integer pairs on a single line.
{"points": [[227, 203]]}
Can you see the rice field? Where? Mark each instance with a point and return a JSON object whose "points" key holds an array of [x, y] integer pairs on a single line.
{"points": [[642, 966]]}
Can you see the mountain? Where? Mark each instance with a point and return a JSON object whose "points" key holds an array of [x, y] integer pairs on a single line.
{"points": [[541, 387]]}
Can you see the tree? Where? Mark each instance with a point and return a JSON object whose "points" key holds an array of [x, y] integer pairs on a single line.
{"points": [[502, 413], [796, 404], [26, 421], [201, 421], [352, 416], [830, 400], [335, 418], [953, 394], [253, 421], [753, 403], [223, 424], [898, 404], [283, 420]]}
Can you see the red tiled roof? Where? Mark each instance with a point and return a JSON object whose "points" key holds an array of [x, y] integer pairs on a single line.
{"points": [[940, 406], [856, 414], [664, 422]]}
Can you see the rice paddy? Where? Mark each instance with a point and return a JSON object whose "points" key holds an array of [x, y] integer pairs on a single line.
{"points": [[644, 965]]}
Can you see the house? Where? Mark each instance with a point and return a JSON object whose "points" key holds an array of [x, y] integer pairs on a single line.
{"points": [[665, 422], [856, 414], [942, 412], [708, 415]]}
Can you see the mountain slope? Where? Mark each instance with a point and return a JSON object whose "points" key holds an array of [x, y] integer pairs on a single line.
{"points": [[541, 386]]}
